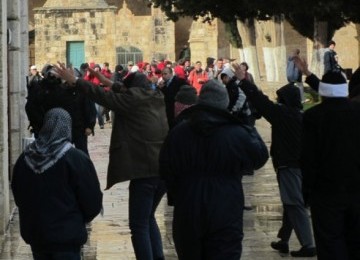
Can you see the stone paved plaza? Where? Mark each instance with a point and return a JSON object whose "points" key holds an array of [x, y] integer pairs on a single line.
{"points": [[109, 237]]}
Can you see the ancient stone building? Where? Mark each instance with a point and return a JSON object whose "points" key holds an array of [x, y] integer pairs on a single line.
{"points": [[82, 31]]}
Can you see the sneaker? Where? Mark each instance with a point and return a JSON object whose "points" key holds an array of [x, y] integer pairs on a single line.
{"points": [[101, 127], [281, 246], [304, 252]]}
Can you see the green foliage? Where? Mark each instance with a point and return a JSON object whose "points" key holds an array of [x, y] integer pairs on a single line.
{"points": [[300, 14]]}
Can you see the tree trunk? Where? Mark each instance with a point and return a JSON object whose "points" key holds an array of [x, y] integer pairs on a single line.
{"points": [[249, 53], [319, 47], [280, 50], [271, 35]]}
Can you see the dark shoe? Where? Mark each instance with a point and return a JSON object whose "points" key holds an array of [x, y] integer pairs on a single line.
{"points": [[304, 252], [281, 246], [101, 127], [248, 207]]}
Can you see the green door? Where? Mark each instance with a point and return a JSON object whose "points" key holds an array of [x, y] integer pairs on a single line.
{"points": [[75, 54]]}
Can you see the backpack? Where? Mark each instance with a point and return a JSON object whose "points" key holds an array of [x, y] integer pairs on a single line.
{"points": [[292, 72]]}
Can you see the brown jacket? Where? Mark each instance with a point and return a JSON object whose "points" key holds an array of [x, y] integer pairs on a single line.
{"points": [[139, 129]]}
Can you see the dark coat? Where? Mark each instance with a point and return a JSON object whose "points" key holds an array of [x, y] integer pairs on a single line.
{"points": [[43, 97], [330, 62], [55, 206], [286, 121], [211, 146], [170, 92], [203, 160], [139, 129], [331, 146]]}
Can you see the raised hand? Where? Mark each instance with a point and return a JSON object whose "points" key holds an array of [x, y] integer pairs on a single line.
{"points": [[64, 73], [302, 65], [239, 73]]}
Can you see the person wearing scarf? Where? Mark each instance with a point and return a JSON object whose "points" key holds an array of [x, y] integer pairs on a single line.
{"points": [[57, 191]]}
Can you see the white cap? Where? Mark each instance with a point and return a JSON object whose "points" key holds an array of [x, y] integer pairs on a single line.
{"points": [[33, 67], [333, 90], [134, 68]]}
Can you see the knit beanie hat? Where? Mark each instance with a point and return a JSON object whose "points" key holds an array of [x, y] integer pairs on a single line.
{"points": [[186, 95], [136, 79], [333, 84], [214, 95], [228, 72], [354, 84]]}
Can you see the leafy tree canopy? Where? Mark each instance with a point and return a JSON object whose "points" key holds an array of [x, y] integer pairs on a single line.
{"points": [[300, 14]]}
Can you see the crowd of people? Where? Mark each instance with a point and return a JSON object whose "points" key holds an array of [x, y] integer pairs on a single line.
{"points": [[190, 132]]}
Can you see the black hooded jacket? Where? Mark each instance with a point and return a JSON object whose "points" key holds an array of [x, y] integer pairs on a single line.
{"points": [[209, 150], [285, 118]]}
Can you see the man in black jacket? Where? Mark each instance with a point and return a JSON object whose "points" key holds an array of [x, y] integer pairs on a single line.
{"points": [[170, 87], [331, 59], [51, 93], [203, 160], [285, 118], [330, 164]]}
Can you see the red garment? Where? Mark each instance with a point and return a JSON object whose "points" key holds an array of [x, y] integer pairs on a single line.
{"points": [[180, 72], [107, 73], [92, 79], [197, 79], [179, 107], [161, 65]]}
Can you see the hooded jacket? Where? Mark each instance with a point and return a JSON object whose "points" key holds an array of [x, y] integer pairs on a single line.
{"points": [[285, 118], [209, 150]]}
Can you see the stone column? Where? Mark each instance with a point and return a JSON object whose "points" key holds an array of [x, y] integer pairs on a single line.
{"points": [[18, 70], [4, 167]]}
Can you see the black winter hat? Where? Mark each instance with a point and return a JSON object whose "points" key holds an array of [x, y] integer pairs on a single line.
{"points": [[289, 95], [186, 95], [213, 94], [136, 79]]}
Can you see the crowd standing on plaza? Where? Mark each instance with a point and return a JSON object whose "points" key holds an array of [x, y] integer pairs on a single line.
{"points": [[191, 132]]}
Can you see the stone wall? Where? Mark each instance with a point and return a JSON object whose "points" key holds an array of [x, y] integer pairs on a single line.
{"points": [[347, 46], [102, 30], [4, 145], [13, 71], [18, 70], [204, 41], [54, 28]]}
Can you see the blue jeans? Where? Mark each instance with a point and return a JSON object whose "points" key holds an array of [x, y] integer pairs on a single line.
{"points": [[99, 114], [145, 196], [56, 255]]}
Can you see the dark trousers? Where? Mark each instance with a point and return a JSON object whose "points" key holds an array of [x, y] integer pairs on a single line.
{"points": [[336, 229], [81, 143], [210, 227], [145, 196], [56, 255]]}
